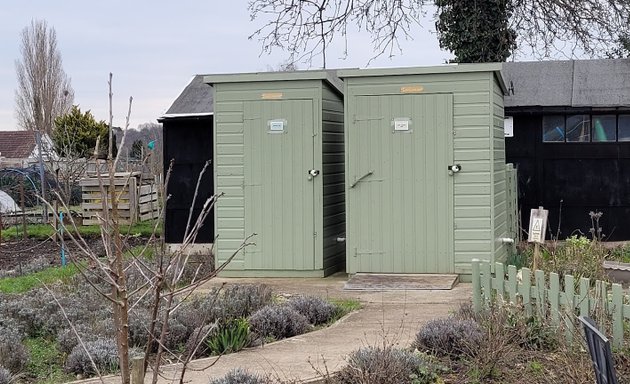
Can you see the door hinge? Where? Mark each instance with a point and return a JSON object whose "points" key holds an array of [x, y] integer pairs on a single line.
{"points": [[314, 234]]}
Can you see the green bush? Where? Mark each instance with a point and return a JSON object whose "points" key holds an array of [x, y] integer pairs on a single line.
{"points": [[229, 337]]}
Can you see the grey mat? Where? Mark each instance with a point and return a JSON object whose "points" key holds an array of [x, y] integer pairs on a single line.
{"points": [[395, 281]]}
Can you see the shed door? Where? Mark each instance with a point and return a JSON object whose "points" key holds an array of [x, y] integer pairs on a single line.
{"points": [[278, 188], [400, 192]]}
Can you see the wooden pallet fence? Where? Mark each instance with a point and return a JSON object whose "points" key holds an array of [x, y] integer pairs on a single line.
{"points": [[125, 186], [547, 297], [148, 205]]}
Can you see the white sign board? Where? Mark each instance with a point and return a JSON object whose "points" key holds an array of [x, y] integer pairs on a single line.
{"points": [[537, 225], [508, 126], [401, 124]]}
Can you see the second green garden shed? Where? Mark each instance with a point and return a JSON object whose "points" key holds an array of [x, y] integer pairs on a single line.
{"points": [[425, 168], [279, 160]]}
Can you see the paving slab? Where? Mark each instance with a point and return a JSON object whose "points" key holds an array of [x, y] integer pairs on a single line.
{"points": [[390, 317]]}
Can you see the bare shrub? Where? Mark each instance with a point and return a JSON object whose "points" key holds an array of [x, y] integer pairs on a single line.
{"points": [[240, 376], [450, 336], [104, 353], [278, 321], [13, 355], [315, 309]]}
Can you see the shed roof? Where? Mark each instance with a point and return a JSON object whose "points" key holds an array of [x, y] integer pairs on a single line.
{"points": [[195, 100], [429, 70], [17, 144], [330, 76], [569, 83]]}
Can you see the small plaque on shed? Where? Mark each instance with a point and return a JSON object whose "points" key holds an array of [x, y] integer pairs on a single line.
{"points": [[412, 89], [401, 124], [276, 126], [271, 96]]}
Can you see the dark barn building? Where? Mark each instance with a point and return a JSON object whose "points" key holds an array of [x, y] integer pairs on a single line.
{"points": [[188, 142], [571, 142]]}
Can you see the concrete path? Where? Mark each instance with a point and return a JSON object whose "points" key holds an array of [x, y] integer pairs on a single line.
{"points": [[390, 317]]}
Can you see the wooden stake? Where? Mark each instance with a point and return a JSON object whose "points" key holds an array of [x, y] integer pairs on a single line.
{"points": [[536, 254], [137, 370], [23, 204]]}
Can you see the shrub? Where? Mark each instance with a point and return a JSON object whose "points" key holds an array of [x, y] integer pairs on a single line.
{"points": [[13, 355], [240, 376], [67, 339], [278, 321], [103, 352], [5, 376], [230, 337], [195, 341], [449, 336], [315, 309], [387, 365], [243, 300]]}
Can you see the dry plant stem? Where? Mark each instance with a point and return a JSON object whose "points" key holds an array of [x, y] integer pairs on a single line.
{"points": [[115, 257], [74, 330]]}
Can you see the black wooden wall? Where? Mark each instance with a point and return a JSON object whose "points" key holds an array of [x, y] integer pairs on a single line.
{"points": [[570, 179], [188, 141]]}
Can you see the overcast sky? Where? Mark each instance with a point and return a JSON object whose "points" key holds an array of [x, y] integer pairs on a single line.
{"points": [[154, 47]]}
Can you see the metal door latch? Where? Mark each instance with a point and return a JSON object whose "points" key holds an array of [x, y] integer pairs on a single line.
{"points": [[313, 172], [455, 168]]}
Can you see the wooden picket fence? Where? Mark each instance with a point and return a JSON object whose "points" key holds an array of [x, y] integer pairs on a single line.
{"points": [[546, 298]]}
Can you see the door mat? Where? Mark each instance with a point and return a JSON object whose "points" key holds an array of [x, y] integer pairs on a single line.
{"points": [[400, 282]]}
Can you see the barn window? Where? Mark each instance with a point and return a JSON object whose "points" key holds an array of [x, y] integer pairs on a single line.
{"points": [[604, 128], [624, 127], [553, 128], [578, 128]]}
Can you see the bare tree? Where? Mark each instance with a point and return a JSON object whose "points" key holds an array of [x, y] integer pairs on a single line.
{"points": [[304, 28], [44, 91]]}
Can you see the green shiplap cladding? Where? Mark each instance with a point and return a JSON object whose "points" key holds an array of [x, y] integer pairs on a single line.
{"points": [[405, 214], [297, 219]]}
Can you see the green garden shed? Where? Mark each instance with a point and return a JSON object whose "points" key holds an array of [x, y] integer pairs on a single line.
{"points": [[279, 160], [426, 187]]}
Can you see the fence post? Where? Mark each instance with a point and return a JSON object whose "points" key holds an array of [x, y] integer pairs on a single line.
{"points": [[554, 298], [617, 314], [137, 370], [585, 301], [476, 282], [486, 282], [541, 291], [499, 279], [526, 291], [512, 283], [569, 309]]}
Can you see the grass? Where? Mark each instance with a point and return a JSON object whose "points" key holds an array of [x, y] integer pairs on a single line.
{"points": [[148, 253], [20, 284], [45, 364], [343, 307], [44, 231]]}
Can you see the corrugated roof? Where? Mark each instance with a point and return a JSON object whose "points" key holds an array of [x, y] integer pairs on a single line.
{"points": [[570, 83], [17, 144], [195, 99]]}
